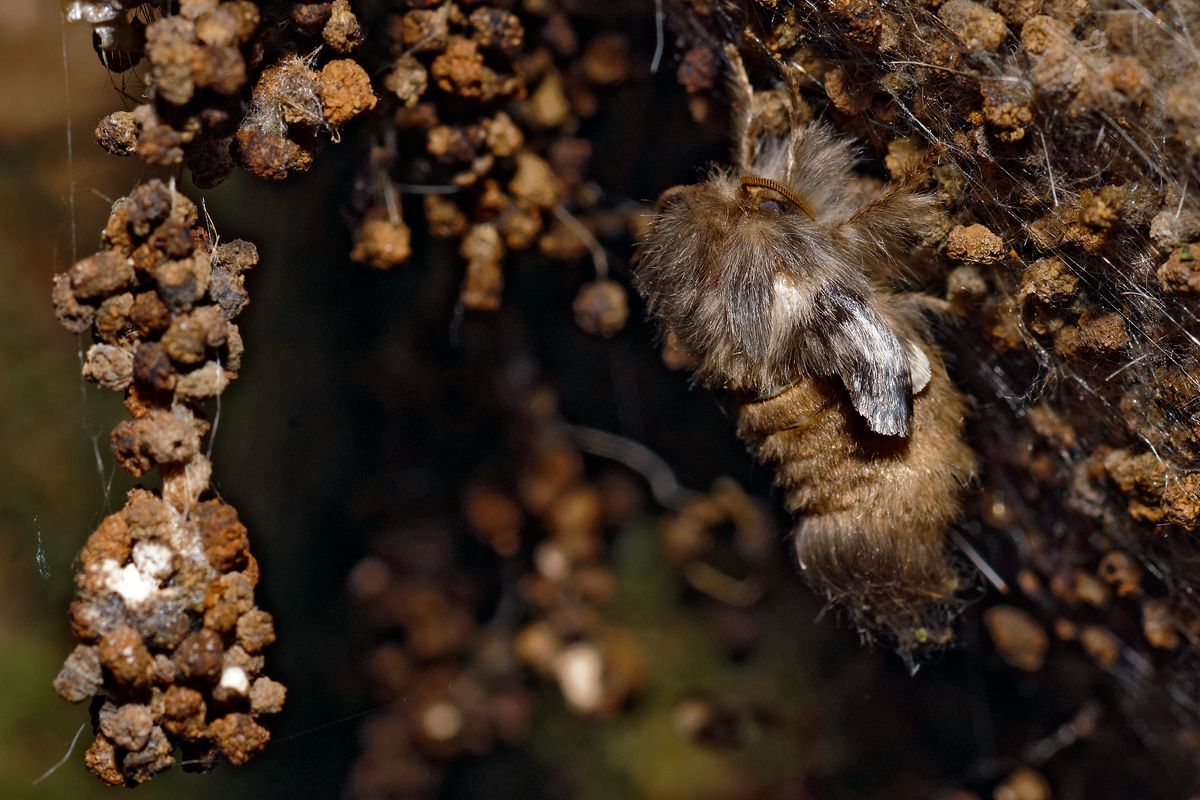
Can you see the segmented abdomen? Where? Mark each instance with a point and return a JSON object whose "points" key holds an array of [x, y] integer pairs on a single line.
{"points": [[872, 511]]}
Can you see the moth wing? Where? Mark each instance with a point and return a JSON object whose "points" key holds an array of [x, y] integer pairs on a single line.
{"points": [[875, 366]]}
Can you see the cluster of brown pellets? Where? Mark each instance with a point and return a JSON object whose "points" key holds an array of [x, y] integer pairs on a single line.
{"points": [[451, 689], [167, 583], [171, 640], [159, 301], [484, 100], [232, 83], [481, 108], [461, 687], [597, 665]]}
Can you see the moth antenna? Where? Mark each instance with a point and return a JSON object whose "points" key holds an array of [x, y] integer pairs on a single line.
{"points": [[906, 184], [793, 76], [745, 139], [886, 225], [796, 124]]}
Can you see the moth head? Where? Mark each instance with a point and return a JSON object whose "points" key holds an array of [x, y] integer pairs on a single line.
{"points": [[709, 267], [762, 294]]}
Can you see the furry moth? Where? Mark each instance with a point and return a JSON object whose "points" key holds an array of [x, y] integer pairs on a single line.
{"points": [[777, 279]]}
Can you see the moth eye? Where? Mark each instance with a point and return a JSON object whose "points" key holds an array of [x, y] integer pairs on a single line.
{"points": [[669, 196], [771, 206]]}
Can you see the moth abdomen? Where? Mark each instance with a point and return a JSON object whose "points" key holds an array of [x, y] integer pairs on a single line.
{"points": [[872, 510]]}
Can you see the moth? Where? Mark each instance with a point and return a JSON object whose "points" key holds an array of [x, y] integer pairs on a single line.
{"points": [[780, 280]]}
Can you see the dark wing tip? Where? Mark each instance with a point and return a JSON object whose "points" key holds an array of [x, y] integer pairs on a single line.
{"points": [[881, 392], [889, 415], [870, 359]]}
